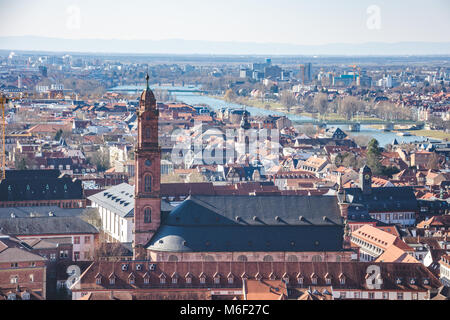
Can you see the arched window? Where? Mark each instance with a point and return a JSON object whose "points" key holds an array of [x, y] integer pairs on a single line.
{"points": [[242, 258], [148, 183], [268, 258], [292, 258], [147, 215], [173, 258], [316, 258]]}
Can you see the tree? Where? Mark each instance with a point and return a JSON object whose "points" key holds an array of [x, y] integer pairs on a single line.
{"points": [[434, 162], [58, 135], [374, 157], [349, 106], [229, 95], [287, 99], [320, 103], [22, 162], [92, 216]]}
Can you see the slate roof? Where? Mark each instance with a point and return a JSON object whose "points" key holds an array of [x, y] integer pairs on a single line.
{"points": [[45, 226], [251, 223], [120, 199], [384, 199], [23, 212], [22, 185]]}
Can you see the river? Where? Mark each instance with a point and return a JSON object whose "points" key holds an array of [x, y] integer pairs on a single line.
{"points": [[383, 137]]}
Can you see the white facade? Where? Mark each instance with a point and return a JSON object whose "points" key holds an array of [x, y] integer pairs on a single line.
{"points": [[403, 218], [117, 227]]}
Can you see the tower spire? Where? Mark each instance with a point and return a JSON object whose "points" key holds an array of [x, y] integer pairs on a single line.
{"points": [[147, 78]]}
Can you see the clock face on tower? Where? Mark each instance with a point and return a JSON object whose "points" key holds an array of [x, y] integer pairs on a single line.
{"points": [[367, 177], [148, 163]]}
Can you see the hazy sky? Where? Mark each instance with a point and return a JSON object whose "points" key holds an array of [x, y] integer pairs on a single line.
{"points": [[286, 21]]}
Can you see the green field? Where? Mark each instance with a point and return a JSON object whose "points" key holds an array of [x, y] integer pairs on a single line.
{"points": [[435, 134]]}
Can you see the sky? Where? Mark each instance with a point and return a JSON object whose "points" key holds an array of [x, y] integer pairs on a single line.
{"points": [[276, 21]]}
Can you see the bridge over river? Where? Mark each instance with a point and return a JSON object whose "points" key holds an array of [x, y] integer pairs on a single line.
{"points": [[355, 125], [169, 89]]}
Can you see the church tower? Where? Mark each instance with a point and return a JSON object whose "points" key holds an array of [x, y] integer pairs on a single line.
{"points": [[147, 207], [365, 180]]}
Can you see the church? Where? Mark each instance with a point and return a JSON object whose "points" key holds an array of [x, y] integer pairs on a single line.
{"points": [[226, 228]]}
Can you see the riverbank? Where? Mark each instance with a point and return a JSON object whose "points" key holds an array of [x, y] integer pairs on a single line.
{"points": [[434, 134], [296, 110]]}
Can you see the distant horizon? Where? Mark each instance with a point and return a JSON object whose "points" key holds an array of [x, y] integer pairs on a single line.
{"points": [[175, 46]]}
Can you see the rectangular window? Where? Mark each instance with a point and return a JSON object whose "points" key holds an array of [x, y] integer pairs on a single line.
{"points": [[385, 295], [14, 279], [399, 295], [357, 295], [87, 239], [52, 256], [371, 295], [76, 255], [76, 240], [388, 216], [343, 295]]}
